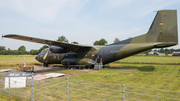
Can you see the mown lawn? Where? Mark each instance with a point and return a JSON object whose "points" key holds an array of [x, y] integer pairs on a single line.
{"points": [[144, 75], [7, 98], [13, 60], [151, 60], [16, 60], [155, 76], [164, 77]]}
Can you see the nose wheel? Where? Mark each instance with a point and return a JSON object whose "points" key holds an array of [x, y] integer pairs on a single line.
{"points": [[45, 64]]}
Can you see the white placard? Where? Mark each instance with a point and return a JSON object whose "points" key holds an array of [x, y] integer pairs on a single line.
{"points": [[17, 80]]}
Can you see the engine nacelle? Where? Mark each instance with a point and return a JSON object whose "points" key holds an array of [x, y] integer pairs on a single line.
{"points": [[55, 49], [69, 61], [71, 55]]}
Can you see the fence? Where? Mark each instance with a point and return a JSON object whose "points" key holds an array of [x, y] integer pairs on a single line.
{"points": [[68, 89]]}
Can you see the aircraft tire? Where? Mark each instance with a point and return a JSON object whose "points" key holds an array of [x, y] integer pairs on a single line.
{"points": [[45, 64]]}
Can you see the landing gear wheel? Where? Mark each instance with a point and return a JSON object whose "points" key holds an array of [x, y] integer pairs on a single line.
{"points": [[45, 64], [88, 67]]}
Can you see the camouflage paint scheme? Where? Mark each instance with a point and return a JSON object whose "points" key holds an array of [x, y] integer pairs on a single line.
{"points": [[162, 33]]}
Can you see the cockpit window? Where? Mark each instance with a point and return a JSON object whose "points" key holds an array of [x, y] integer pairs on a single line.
{"points": [[43, 51]]}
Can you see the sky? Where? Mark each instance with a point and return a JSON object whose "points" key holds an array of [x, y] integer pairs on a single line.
{"points": [[84, 21]]}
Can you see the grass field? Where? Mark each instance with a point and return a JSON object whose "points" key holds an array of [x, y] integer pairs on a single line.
{"points": [[151, 60], [14, 60], [7, 98], [155, 76], [149, 76], [164, 77]]}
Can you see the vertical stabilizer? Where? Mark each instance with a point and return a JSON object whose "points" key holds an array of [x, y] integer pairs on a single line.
{"points": [[164, 27]]}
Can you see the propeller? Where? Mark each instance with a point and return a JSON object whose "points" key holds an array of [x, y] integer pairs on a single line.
{"points": [[44, 58]]}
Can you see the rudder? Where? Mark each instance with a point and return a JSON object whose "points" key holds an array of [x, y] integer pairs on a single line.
{"points": [[164, 27], [162, 30]]}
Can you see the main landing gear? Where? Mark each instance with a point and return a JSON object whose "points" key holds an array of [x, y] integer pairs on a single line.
{"points": [[45, 64]]}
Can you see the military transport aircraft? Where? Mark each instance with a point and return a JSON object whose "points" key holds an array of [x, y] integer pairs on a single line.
{"points": [[162, 33]]}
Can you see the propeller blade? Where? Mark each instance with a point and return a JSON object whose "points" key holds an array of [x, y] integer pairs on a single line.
{"points": [[48, 46], [46, 54]]}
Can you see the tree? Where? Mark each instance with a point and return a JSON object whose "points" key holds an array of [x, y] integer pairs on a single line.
{"points": [[100, 42], [116, 40], [172, 50], [22, 49], [161, 50], [62, 39], [45, 46], [103, 42], [74, 42], [166, 51], [2, 48], [96, 42], [34, 52]]}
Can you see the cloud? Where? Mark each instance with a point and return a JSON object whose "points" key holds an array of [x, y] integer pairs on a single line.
{"points": [[116, 3], [135, 8], [129, 31], [48, 11], [112, 4], [123, 34], [44, 11], [154, 5]]}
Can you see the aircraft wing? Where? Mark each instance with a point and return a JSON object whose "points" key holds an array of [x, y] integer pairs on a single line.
{"points": [[66, 46]]}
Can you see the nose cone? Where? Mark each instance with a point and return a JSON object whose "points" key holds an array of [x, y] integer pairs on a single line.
{"points": [[36, 57], [39, 58]]}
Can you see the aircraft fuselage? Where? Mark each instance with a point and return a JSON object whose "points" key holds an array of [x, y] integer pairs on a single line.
{"points": [[88, 57]]}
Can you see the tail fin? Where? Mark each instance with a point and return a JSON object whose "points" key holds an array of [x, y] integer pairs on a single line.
{"points": [[164, 27], [162, 30]]}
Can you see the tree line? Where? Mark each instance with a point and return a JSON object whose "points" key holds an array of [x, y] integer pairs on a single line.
{"points": [[20, 51]]}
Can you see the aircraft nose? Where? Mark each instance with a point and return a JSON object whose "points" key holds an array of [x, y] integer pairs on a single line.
{"points": [[39, 58], [36, 57]]}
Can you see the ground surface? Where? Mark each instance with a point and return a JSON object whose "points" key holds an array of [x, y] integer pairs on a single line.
{"points": [[165, 76]]}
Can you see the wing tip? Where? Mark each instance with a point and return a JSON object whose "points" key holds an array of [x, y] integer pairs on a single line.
{"points": [[9, 35]]}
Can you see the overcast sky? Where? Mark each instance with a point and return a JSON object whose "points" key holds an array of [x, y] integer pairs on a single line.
{"points": [[84, 21]]}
